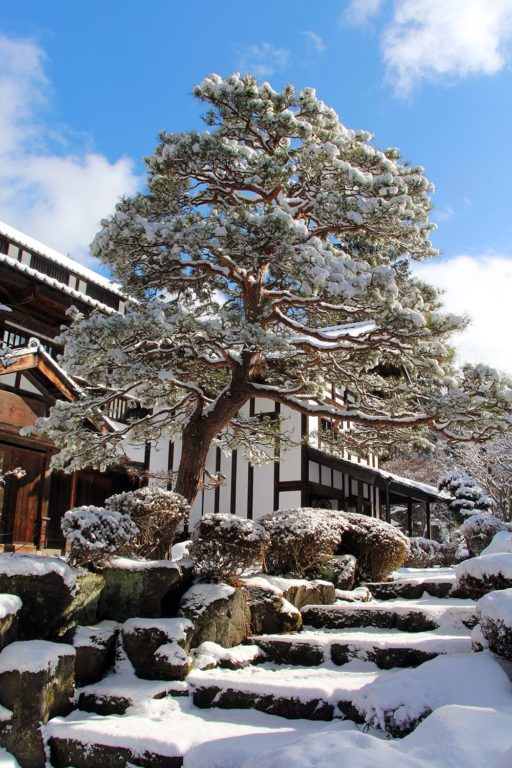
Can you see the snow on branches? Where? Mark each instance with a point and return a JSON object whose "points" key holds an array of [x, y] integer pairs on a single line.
{"points": [[258, 247]]}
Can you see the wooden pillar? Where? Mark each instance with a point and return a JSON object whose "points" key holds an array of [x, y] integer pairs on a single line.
{"points": [[388, 505], [359, 497], [427, 512], [42, 538], [409, 516]]}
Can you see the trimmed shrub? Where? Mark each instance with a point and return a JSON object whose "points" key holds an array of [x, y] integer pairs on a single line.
{"points": [[93, 534], [302, 540], [427, 553], [225, 547], [468, 497], [479, 530], [157, 513], [378, 547]]}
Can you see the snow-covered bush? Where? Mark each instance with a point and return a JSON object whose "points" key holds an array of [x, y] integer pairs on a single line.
{"points": [[502, 542], [94, 533], [157, 513], [224, 547], [479, 530], [480, 575], [427, 553], [378, 547], [494, 612], [301, 539], [468, 497]]}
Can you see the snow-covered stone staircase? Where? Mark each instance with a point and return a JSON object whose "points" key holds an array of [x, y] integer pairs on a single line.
{"points": [[361, 661], [342, 651]]}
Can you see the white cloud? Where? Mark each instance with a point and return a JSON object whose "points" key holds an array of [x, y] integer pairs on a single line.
{"points": [[315, 42], [358, 12], [480, 287], [54, 195], [440, 40], [263, 60]]}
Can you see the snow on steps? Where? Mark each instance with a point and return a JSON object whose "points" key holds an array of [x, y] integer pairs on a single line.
{"points": [[427, 613], [386, 648], [391, 701]]}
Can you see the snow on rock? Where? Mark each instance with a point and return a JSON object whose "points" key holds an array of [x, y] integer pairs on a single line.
{"points": [[398, 701], [174, 629], [33, 656], [209, 655], [197, 599], [9, 604], [13, 564], [96, 635], [494, 611], [502, 542], [483, 574]]}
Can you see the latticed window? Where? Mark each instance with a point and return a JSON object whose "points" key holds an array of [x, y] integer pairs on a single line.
{"points": [[49, 268], [102, 294]]}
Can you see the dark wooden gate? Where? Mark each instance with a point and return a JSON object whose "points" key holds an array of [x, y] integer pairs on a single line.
{"points": [[21, 498]]}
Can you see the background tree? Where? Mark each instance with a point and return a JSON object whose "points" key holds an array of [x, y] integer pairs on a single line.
{"points": [[268, 255]]}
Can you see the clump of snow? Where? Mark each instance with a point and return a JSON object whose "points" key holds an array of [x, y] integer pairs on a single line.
{"points": [[486, 566], [180, 550], [174, 629], [496, 606], [33, 656], [227, 546], [173, 654], [502, 542], [96, 635], [14, 564], [210, 654], [9, 604], [94, 533]]}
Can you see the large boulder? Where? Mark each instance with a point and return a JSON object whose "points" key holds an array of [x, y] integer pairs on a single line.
{"points": [[10, 607], [137, 588], [36, 684], [220, 613], [480, 575], [494, 612], [158, 648], [270, 611], [47, 587], [378, 547], [95, 651]]}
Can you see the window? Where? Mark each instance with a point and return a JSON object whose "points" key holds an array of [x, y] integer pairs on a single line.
{"points": [[4, 244], [103, 295], [49, 268]]}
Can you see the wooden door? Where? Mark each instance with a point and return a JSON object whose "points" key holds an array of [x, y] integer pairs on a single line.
{"points": [[20, 501]]}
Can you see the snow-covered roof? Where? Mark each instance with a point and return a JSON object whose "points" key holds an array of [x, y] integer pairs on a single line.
{"points": [[431, 490], [35, 348], [20, 238], [54, 283]]}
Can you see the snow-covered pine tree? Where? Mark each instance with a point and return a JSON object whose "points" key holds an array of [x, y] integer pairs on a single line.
{"points": [[269, 254], [468, 498]]}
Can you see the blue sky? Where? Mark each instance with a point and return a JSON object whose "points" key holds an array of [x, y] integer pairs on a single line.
{"points": [[86, 87]]}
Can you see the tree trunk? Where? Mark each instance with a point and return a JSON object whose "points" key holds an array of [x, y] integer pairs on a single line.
{"points": [[197, 437]]}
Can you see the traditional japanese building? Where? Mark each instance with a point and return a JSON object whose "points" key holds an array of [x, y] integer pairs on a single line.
{"points": [[37, 287]]}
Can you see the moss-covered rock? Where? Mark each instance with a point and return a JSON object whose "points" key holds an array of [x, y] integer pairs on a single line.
{"points": [[10, 607], [137, 588], [36, 684], [158, 648], [219, 613]]}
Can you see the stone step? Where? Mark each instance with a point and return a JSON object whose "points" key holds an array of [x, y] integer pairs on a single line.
{"points": [[386, 648], [116, 693], [65, 752], [405, 615], [390, 701], [414, 588]]}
